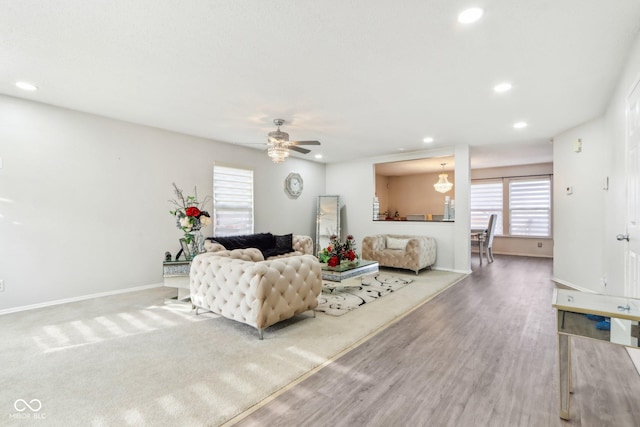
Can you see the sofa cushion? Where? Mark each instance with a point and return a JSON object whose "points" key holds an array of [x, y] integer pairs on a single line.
{"points": [[285, 242], [261, 241], [393, 243]]}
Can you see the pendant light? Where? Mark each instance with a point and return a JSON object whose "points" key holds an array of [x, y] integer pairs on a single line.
{"points": [[443, 185]]}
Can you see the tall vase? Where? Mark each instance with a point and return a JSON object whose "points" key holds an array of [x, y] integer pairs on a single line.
{"points": [[196, 246]]}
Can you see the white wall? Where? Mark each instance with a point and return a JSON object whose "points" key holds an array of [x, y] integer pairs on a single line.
{"points": [[84, 199], [579, 217], [587, 222], [355, 183]]}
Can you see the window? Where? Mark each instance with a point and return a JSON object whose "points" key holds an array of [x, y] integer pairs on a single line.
{"points": [[526, 201], [232, 201], [486, 199], [530, 207]]}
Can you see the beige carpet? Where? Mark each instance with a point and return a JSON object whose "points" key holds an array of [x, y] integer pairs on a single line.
{"points": [[132, 360]]}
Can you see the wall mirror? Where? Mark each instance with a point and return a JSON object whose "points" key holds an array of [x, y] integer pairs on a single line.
{"points": [[327, 220], [405, 190]]}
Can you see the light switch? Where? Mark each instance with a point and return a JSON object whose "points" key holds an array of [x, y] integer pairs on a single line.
{"points": [[577, 145]]}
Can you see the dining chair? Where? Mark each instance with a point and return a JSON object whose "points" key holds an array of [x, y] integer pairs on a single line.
{"points": [[491, 229], [484, 238]]}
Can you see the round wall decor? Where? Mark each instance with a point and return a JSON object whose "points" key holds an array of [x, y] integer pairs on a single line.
{"points": [[293, 185]]}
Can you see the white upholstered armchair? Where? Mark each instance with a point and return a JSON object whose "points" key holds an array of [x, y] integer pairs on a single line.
{"points": [[398, 251], [242, 286]]}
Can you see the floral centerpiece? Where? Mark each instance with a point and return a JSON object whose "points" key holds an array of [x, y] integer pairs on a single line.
{"points": [[338, 252], [190, 217]]}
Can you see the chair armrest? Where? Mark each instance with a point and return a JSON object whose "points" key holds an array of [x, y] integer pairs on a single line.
{"points": [[423, 249], [290, 272], [371, 244]]}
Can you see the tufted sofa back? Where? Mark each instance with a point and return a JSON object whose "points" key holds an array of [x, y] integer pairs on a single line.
{"points": [[303, 244]]}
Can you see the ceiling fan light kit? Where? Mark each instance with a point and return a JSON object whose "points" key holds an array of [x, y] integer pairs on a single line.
{"points": [[279, 146], [277, 153]]}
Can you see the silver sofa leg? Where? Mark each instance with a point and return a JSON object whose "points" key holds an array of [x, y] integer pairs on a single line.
{"points": [[260, 335]]}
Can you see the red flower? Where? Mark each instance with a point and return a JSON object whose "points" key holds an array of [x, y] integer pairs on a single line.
{"points": [[333, 261], [351, 255], [349, 237], [192, 211], [329, 249]]}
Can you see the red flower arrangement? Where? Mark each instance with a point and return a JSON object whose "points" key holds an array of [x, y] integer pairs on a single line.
{"points": [[189, 217], [193, 211], [337, 251]]}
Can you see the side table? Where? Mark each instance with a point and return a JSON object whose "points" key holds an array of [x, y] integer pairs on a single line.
{"points": [[176, 275], [624, 314]]}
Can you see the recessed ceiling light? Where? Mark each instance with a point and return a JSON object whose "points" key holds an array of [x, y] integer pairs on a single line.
{"points": [[318, 156], [400, 149], [26, 86], [520, 125], [428, 140], [470, 15], [502, 87]]}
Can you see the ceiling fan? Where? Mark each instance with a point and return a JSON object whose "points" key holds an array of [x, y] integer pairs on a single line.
{"points": [[278, 144]]}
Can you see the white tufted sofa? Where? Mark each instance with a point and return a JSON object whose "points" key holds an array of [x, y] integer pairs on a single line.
{"points": [[242, 286], [410, 252]]}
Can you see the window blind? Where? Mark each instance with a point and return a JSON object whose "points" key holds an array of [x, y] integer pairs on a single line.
{"points": [[486, 199], [530, 207], [232, 201]]}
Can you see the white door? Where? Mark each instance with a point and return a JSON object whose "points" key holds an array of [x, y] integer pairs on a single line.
{"points": [[632, 250]]}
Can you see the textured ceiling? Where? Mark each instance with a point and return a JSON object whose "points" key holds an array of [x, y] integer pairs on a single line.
{"points": [[364, 77]]}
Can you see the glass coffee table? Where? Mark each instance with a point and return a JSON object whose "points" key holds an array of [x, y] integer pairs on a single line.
{"points": [[348, 271]]}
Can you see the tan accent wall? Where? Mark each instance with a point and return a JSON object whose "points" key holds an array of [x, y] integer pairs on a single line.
{"points": [[414, 194]]}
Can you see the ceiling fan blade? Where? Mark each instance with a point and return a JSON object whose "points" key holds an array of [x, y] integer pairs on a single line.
{"points": [[299, 149], [304, 142]]}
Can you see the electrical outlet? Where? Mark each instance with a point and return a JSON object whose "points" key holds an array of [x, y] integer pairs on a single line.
{"points": [[1, 285], [539, 244]]}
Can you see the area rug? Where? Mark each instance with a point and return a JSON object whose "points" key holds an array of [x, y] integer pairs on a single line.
{"points": [[131, 359], [340, 298]]}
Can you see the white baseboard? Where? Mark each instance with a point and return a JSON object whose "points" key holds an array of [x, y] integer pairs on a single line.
{"points": [[475, 252], [452, 270], [80, 298]]}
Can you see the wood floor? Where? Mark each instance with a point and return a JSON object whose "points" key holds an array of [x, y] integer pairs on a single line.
{"points": [[483, 353]]}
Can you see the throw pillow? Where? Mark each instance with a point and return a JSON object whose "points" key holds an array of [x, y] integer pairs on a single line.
{"points": [[276, 251], [285, 241], [393, 243]]}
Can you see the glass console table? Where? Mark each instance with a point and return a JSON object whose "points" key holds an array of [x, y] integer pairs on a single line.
{"points": [[348, 270], [573, 306]]}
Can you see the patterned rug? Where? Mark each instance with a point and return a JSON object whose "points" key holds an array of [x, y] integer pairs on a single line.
{"points": [[337, 299]]}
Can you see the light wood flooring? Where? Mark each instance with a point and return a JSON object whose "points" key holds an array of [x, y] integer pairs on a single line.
{"points": [[482, 353]]}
